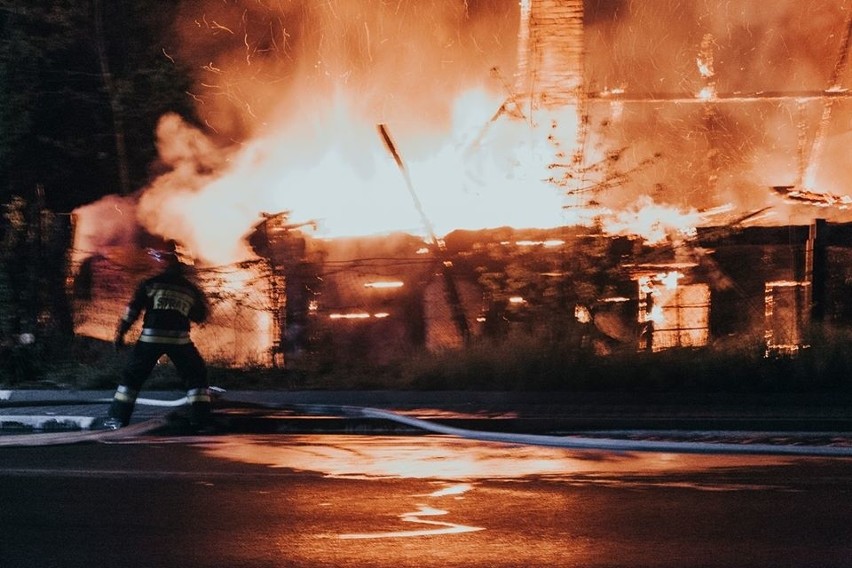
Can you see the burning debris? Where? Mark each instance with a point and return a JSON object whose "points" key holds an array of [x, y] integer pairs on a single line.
{"points": [[788, 305], [289, 96], [673, 313], [798, 195], [312, 150], [549, 71]]}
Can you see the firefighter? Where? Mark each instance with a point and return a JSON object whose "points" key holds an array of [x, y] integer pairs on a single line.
{"points": [[170, 302]]}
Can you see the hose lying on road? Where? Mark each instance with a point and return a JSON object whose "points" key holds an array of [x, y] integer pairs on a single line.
{"points": [[88, 401], [79, 437], [568, 442], [578, 442]]}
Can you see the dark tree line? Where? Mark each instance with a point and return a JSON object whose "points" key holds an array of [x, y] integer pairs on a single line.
{"points": [[82, 85]]}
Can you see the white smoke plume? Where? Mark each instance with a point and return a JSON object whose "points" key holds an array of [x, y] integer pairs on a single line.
{"points": [[289, 93]]}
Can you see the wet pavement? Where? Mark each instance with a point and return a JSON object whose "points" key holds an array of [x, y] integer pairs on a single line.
{"points": [[427, 479], [655, 420], [337, 500]]}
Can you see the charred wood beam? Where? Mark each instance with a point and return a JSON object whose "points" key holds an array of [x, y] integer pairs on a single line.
{"points": [[439, 247]]}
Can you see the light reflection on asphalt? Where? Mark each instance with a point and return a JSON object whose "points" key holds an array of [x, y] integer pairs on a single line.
{"points": [[416, 517], [456, 465], [454, 490], [455, 459]]}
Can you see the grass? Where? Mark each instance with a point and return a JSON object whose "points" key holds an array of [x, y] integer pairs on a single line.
{"points": [[522, 362]]}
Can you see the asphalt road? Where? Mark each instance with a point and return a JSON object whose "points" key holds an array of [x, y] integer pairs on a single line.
{"points": [[399, 501]]}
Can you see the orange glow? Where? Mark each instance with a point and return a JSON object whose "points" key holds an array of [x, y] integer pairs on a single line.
{"points": [[319, 157], [354, 316], [505, 118], [655, 284], [679, 313], [386, 284], [447, 458], [546, 244], [241, 329], [653, 221], [417, 517], [786, 312], [357, 316], [262, 176], [707, 93], [294, 129]]}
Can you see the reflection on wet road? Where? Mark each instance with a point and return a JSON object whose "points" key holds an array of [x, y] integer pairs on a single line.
{"points": [[414, 501], [417, 517], [446, 458], [425, 511]]}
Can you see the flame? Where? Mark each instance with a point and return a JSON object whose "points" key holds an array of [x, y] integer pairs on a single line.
{"points": [[655, 222], [291, 123], [342, 178], [297, 88], [707, 93], [705, 68], [659, 287], [669, 280], [679, 313], [306, 142]]}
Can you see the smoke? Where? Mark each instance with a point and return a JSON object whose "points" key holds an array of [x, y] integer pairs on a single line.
{"points": [[177, 204], [108, 222], [724, 151], [289, 92], [263, 63]]}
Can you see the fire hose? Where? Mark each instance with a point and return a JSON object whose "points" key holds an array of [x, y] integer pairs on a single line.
{"points": [[569, 442]]}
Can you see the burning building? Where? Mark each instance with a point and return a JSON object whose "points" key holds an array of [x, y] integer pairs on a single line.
{"points": [[549, 72], [606, 125]]}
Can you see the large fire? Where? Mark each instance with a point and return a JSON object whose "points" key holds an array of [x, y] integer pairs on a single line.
{"points": [[290, 93]]}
